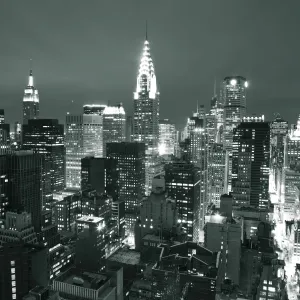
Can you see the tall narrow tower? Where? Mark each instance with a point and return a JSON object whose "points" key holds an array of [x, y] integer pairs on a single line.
{"points": [[146, 113], [31, 101], [146, 104]]}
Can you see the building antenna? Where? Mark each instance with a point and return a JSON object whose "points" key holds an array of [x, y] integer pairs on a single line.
{"points": [[30, 66], [197, 107], [215, 88], [146, 30]]}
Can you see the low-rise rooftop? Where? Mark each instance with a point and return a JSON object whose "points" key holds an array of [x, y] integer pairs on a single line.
{"points": [[126, 256]]}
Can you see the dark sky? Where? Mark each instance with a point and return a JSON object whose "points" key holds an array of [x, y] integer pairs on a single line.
{"points": [[88, 52]]}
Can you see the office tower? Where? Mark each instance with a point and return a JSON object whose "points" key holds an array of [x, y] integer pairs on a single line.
{"points": [[167, 137], [5, 142], [114, 125], [222, 235], [18, 133], [84, 137], [146, 112], [129, 128], [179, 275], [99, 174], [31, 102], [4, 187], [183, 185], [216, 172], [198, 140], [279, 136], [296, 250], [25, 184], [130, 159], [2, 116], [291, 201], [216, 111], [67, 209], [18, 226], [23, 267], [90, 245], [118, 215], [93, 109], [46, 136], [293, 148], [251, 163], [234, 94], [146, 104], [157, 213]]}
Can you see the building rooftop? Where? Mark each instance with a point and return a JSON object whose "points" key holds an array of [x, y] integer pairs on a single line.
{"points": [[82, 279], [126, 256], [90, 220]]}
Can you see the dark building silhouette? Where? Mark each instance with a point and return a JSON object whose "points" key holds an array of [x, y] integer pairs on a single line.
{"points": [[23, 267], [25, 184], [2, 116], [130, 159], [46, 136], [5, 142], [250, 164], [99, 174], [183, 185]]}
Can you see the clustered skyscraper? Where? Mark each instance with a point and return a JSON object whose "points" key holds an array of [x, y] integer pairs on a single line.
{"points": [[90, 206]]}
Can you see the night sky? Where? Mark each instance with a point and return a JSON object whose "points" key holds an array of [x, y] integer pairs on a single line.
{"points": [[88, 52]]}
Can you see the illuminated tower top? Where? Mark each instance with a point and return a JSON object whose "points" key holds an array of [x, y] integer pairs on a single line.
{"points": [[30, 100], [146, 79], [31, 94]]}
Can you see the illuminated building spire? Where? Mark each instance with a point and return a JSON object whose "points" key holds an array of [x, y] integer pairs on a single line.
{"points": [[146, 79], [30, 78]]}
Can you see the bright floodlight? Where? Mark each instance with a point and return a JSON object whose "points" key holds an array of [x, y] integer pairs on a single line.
{"points": [[246, 84], [233, 82], [162, 149], [99, 227]]}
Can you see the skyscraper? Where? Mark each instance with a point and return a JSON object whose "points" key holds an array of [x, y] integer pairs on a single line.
{"points": [[167, 137], [146, 111], [183, 185], [216, 172], [234, 93], [130, 159], [31, 101], [146, 104], [2, 118], [46, 136], [84, 137], [5, 142], [279, 139], [293, 148], [25, 184], [251, 163], [114, 125]]}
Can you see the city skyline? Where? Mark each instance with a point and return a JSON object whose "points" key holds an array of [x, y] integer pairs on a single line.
{"points": [[73, 76]]}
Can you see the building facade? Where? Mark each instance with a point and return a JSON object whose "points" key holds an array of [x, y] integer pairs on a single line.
{"points": [[114, 125], [46, 136], [84, 137]]}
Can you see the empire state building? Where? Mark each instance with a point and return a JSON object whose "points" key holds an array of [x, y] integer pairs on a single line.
{"points": [[31, 103], [146, 104]]}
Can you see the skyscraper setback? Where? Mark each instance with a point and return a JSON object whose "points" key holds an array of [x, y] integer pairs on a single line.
{"points": [[31, 102]]}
